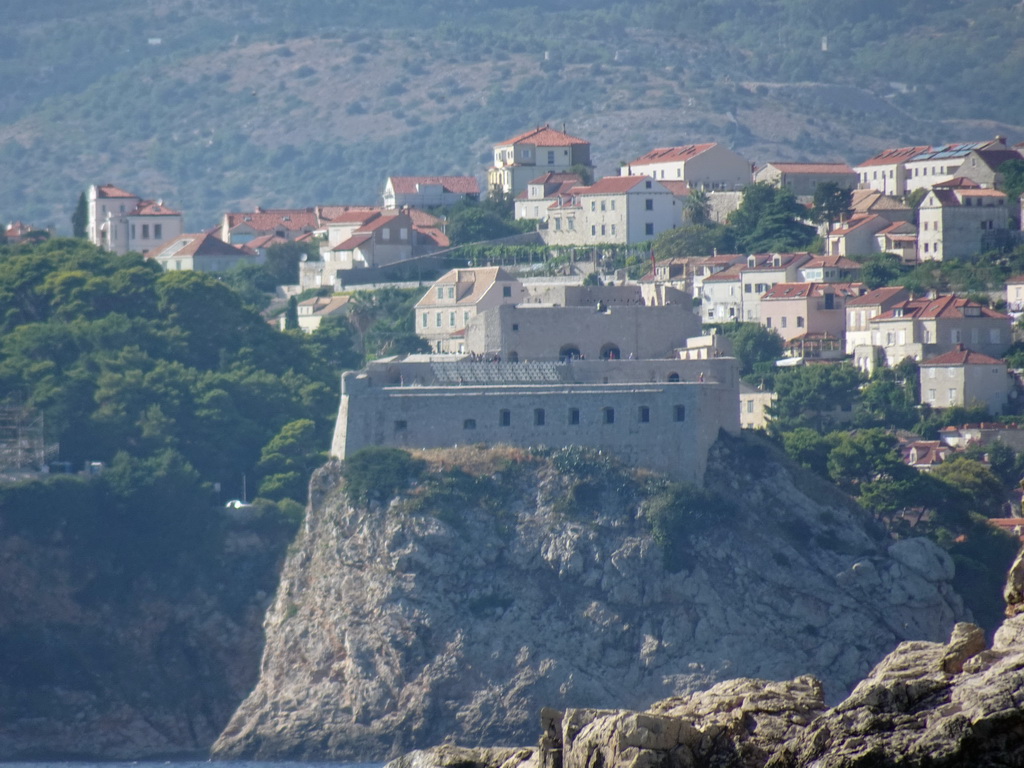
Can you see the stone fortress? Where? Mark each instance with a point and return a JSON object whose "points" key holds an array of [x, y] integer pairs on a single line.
{"points": [[620, 375]]}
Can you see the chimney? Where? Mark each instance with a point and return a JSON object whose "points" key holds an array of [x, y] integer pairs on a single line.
{"points": [[1001, 140]]}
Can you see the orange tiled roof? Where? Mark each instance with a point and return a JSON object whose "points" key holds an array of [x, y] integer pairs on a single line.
{"points": [[961, 355], [879, 296], [949, 305], [894, 156], [459, 185], [544, 136], [150, 208], [109, 190], [197, 244], [673, 154], [264, 220], [612, 185]]}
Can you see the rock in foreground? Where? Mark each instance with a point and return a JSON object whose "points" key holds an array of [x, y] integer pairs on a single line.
{"points": [[926, 705], [517, 580]]}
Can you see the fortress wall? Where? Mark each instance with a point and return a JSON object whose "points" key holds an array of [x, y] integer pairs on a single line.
{"points": [[683, 419]]}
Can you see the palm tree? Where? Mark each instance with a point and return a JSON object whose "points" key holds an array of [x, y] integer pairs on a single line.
{"points": [[697, 208]]}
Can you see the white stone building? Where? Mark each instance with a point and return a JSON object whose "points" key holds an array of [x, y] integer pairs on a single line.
{"points": [[121, 221], [710, 167], [615, 209], [956, 223], [528, 155]]}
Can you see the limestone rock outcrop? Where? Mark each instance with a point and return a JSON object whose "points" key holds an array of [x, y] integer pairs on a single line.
{"points": [[400, 625], [958, 704]]}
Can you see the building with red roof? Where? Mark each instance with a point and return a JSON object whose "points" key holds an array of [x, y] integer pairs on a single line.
{"points": [[201, 252], [709, 167], [801, 309], [963, 377], [239, 227], [544, 191], [859, 313], [615, 209], [802, 179], [429, 191], [528, 155], [886, 172], [924, 328], [960, 222], [121, 221]]}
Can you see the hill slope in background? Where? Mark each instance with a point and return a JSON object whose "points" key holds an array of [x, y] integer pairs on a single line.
{"points": [[226, 104]]}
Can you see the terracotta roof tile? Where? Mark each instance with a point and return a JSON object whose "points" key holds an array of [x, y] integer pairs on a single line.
{"points": [[880, 296], [457, 185], [961, 355], [894, 156], [544, 136], [672, 154], [109, 190]]}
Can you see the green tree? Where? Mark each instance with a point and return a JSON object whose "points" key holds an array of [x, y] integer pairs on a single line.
{"points": [[889, 400], [809, 449], [752, 343], [696, 240], [475, 224], [291, 314], [831, 203], [975, 481], [287, 461], [769, 219], [808, 395], [80, 218], [863, 456]]}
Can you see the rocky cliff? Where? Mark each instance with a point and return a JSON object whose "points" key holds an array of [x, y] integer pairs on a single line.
{"points": [[99, 663], [504, 581], [926, 705]]}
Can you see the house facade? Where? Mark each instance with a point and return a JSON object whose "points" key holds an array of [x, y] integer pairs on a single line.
{"points": [[239, 227], [615, 209], [937, 165], [956, 223], [735, 293], [530, 154], [886, 172], [544, 192], [120, 221], [458, 296], [861, 310], [984, 166], [803, 179], [802, 309], [429, 191], [201, 252], [710, 167], [856, 236], [925, 328], [962, 377]]}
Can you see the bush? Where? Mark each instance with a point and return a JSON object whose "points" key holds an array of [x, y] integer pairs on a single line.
{"points": [[377, 474], [678, 513]]}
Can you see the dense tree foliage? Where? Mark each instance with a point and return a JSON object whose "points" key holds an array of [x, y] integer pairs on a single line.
{"points": [[121, 357], [769, 219]]}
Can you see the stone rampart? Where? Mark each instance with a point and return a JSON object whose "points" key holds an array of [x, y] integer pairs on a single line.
{"points": [[660, 414]]}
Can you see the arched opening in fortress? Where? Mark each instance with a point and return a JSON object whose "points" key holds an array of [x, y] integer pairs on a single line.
{"points": [[569, 352], [673, 377], [610, 352]]}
